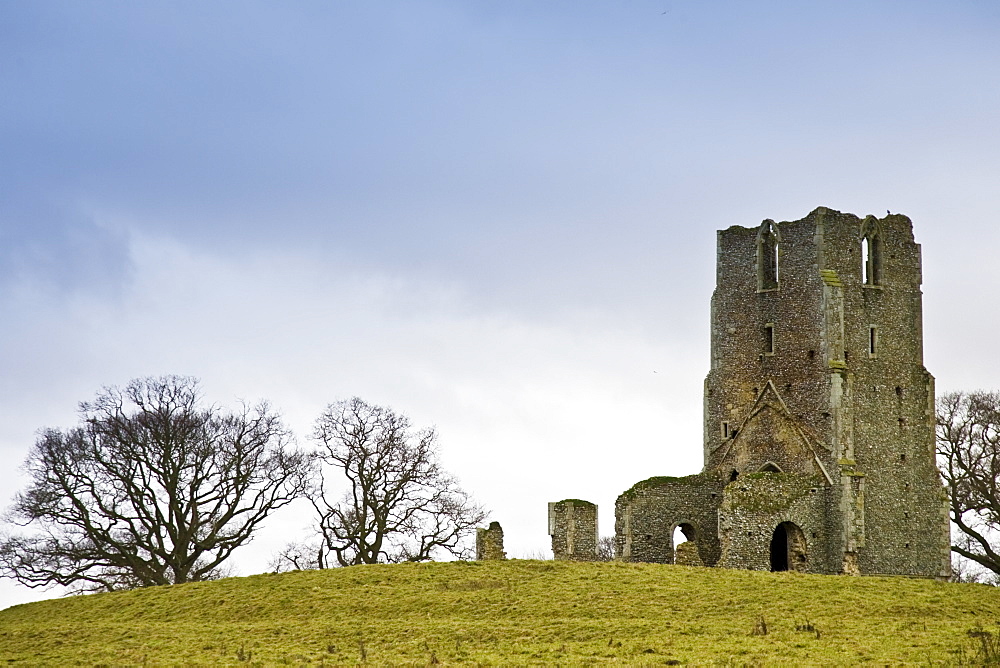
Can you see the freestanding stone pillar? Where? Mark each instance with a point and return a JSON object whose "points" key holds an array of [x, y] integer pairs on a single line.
{"points": [[573, 528]]}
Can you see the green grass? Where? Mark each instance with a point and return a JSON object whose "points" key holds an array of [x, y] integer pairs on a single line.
{"points": [[511, 613]]}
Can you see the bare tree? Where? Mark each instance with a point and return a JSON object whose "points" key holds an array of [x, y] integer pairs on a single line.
{"points": [[400, 505], [152, 488], [606, 548], [968, 448], [299, 556]]}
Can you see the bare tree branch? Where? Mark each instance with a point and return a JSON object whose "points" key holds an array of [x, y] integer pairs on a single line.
{"points": [[151, 488], [968, 448], [399, 504]]}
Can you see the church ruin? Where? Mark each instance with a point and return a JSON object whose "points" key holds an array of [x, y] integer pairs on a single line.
{"points": [[818, 413]]}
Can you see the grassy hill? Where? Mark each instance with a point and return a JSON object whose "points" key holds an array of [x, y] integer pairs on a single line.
{"points": [[512, 613]]}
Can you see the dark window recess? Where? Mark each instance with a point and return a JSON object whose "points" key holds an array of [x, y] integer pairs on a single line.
{"points": [[734, 475], [872, 339], [902, 457], [788, 387], [812, 354], [725, 430], [899, 391], [769, 339], [767, 256]]}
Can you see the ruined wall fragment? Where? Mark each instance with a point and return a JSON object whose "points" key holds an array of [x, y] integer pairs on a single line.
{"points": [[489, 543], [573, 528]]}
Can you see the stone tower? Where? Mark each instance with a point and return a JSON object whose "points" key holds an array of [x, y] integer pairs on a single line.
{"points": [[819, 413]]}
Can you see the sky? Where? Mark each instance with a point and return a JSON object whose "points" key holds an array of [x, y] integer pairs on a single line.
{"points": [[496, 217]]}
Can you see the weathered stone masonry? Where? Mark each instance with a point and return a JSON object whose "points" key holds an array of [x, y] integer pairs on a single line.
{"points": [[573, 528], [489, 543], [818, 411]]}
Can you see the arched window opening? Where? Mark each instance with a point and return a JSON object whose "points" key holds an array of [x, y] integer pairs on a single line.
{"points": [[734, 475], [768, 242], [788, 548], [685, 544], [866, 260], [871, 254]]}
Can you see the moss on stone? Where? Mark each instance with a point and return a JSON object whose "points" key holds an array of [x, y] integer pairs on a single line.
{"points": [[695, 480], [578, 502], [831, 278], [775, 491], [661, 480]]}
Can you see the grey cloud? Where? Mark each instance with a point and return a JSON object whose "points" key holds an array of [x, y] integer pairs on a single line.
{"points": [[54, 246]]}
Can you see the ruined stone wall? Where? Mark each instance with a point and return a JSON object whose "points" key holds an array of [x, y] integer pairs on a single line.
{"points": [[573, 529], [818, 411], [686, 554], [892, 399], [489, 543], [647, 514], [741, 360], [821, 373], [754, 505]]}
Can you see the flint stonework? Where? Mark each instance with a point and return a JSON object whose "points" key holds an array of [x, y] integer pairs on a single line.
{"points": [[573, 528], [489, 543], [819, 413]]}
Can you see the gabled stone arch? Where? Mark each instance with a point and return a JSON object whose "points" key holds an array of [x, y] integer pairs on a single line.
{"points": [[872, 239], [770, 467], [770, 434], [768, 246]]}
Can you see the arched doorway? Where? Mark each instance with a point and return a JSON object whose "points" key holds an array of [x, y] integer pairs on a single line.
{"points": [[685, 544], [788, 548]]}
